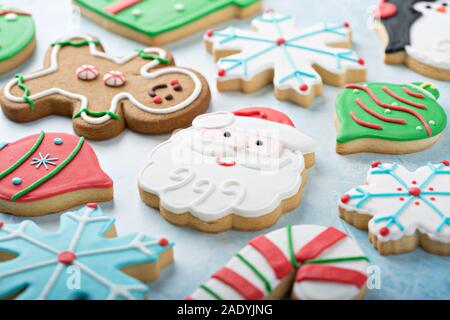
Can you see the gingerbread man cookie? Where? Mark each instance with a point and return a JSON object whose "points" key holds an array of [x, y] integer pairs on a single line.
{"points": [[402, 209], [296, 61], [237, 170], [84, 260], [312, 262], [103, 94], [50, 172], [417, 34], [17, 38], [156, 22]]}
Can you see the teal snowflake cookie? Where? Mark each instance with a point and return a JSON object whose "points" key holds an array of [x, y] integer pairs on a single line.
{"points": [[82, 260], [157, 22], [17, 38], [388, 118]]}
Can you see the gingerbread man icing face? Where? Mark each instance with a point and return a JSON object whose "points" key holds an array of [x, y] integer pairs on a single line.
{"points": [[103, 93]]}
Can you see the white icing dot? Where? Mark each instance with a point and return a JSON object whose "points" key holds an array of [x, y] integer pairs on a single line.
{"points": [[136, 12], [179, 6], [432, 122], [419, 128], [355, 90], [394, 104], [387, 111], [11, 17], [365, 85]]}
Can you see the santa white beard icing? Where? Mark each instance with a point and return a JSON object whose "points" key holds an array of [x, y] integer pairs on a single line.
{"points": [[229, 170], [430, 34]]}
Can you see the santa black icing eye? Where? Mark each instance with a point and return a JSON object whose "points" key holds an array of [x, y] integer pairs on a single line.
{"points": [[428, 6], [259, 143], [227, 134]]}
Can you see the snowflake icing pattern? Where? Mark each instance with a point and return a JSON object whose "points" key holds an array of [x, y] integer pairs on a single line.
{"points": [[44, 264], [296, 56], [43, 161], [403, 202]]}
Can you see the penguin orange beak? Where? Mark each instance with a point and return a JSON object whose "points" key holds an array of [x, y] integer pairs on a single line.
{"points": [[441, 9]]}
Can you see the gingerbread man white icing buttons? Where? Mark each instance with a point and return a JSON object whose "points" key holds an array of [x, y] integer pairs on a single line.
{"points": [[114, 79], [87, 72], [237, 170]]}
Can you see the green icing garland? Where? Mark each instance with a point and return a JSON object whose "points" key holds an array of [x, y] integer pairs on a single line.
{"points": [[15, 35], [97, 114], [149, 56], [399, 112], [158, 17], [72, 43], [26, 94]]}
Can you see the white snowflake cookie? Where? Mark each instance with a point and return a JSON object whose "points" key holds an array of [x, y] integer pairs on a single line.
{"points": [[296, 60], [401, 209]]}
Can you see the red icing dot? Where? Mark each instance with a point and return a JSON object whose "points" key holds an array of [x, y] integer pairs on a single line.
{"points": [[210, 33], [417, 203], [384, 231], [385, 10], [375, 164], [402, 199], [303, 87], [66, 257], [281, 41], [432, 198], [1, 224], [157, 100], [399, 189], [163, 242], [221, 72], [345, 198], [174, 82], [414, 182], [446, 163], [346, 24], [92, 205], [431, 188], [269, 10], [415, 191], [361, 61]]}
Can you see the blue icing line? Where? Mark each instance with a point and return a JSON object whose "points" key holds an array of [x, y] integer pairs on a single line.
{"points": [[97, 264], [3, 145]]}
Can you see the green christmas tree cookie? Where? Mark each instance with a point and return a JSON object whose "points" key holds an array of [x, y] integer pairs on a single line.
{"points": [[17, 40], [388, 118]]}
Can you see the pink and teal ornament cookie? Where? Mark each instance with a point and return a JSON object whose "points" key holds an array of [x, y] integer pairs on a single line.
{"points": [[17, 38], [156, 22], [310, 261], [402, 209], [84, 259], [388, 118], [50, 172], [296, 60]]}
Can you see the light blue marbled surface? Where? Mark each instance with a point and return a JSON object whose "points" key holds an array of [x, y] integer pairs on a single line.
{"points": [[416, 275]]}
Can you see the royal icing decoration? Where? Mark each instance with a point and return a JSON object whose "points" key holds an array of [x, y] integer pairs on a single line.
{"points": [[16, 32], [419, 28], [47, 164], [399, 112], [114, 79], [278, 45], [167, 16], [244, 163], [149, 58], [324, 262], [404, 203], [79, 261], [87, 72]]}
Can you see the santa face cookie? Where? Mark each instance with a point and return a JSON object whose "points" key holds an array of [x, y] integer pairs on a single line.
{"points": [[238, 170], [402, 209], [84, 260], [160, 22], [388, 118], [417, 33], [103, 94], [313, 262], [17, 38], [50, 172], [296, 61]]}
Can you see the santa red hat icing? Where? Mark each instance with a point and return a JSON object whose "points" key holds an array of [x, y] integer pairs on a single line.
{"points": [[261, 119]]}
